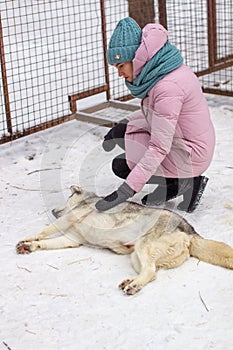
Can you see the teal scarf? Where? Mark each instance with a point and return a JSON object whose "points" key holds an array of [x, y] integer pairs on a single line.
{"points": [[163, 62]]}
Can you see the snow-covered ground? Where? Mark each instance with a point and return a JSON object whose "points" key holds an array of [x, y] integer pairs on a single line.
{"points": [[68, 299]]}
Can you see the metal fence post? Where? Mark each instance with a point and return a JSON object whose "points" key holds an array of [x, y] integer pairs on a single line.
{"points": [[4, 80]]}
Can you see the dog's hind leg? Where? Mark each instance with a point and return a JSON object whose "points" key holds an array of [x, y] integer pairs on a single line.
{"points": [[168, 251], [47, 244], [144, 263]]}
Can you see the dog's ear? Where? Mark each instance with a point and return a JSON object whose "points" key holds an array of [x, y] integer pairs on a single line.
{"points": [[76, 189]]}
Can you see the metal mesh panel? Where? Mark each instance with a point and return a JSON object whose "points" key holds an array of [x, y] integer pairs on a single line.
{"points": [[220, 50], [52, 49], [202, 30], [53, 53], [224, 19], [187, 26]]}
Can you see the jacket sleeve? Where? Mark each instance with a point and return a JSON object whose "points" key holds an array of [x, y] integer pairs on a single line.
{"points": [[137, 115], [162, 119], [137, 121]]}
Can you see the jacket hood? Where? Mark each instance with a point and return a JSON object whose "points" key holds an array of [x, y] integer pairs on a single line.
{"points": [[154, 36]]}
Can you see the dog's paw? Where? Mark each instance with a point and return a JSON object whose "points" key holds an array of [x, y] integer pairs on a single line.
{"points": [[23, 248], [123, 284], [129, 287], [132, 289]]}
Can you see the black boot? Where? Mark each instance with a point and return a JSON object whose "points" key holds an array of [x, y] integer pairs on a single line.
{"points": [[192, 192], [162, 193], [191, 189]]}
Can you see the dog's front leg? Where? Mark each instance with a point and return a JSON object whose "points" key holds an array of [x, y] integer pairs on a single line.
{"points": [[50, 230], [60, 242], [60, 225]]}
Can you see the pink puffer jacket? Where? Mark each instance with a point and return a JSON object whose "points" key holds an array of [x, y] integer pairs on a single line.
{"points": [[172, 135]]}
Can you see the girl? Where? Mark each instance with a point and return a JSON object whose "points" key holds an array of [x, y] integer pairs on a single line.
{"points": [[170, 141]]}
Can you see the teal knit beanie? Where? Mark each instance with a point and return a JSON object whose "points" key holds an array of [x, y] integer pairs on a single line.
{"points": [[124, 41]]}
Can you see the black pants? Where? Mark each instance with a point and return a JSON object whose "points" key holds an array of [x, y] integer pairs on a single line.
{"points": [[121, 169]]}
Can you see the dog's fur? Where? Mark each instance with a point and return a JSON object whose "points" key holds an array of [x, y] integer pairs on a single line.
{"points": [[157, 238]]}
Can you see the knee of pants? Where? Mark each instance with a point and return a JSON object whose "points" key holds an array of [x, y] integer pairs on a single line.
{"points": [[120, 167]]}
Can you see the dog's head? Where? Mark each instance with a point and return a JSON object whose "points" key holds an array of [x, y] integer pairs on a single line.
{"points": [[76, 196]]}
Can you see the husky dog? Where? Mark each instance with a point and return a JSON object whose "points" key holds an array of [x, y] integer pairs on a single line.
{"points": [[157, 238]]}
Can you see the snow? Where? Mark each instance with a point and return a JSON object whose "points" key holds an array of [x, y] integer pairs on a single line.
{"points": [[68, 299]]}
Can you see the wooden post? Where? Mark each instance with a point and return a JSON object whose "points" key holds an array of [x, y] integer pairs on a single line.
{"points": [[162, 12], [142, 12]]}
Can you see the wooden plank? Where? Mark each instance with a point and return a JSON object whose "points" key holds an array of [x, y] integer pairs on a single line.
{"points": [[84, 117]]}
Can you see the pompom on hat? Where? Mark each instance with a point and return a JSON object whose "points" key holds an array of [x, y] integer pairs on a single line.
{"points": [[124, 41]]}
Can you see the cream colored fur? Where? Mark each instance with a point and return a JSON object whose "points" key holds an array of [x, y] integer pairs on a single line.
{"points": [[157, 238]]}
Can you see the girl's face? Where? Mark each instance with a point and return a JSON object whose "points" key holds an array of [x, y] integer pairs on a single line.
{"points": [[125, 70]]}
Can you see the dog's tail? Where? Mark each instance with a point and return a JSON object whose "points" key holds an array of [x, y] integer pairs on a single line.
{"points": [[212, 252]]}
